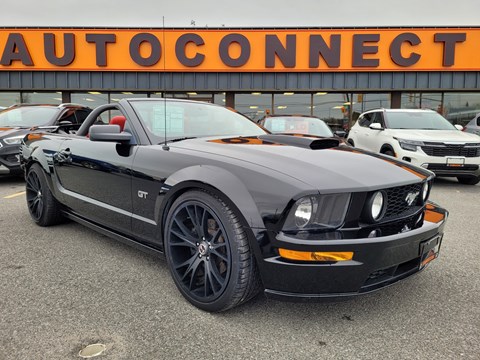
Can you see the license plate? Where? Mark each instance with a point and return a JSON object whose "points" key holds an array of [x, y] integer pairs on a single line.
{"points": [[429, 251], [455, 162]]}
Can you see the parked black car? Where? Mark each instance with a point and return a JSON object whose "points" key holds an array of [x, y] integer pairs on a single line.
{"points": [[233, 208], [18, 120]]}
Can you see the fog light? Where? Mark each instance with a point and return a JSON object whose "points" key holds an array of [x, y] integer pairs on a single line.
{"points": [[316, 255], [373, 233]]}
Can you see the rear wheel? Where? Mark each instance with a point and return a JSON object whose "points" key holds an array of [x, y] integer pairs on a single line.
{"points": [[208, 253], [469, 180], [43, 207]]}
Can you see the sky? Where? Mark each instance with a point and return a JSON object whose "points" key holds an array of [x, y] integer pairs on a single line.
{"points": [[239, 13]]}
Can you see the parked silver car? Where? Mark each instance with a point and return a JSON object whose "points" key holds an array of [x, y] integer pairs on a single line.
{"points": [[473, 126]]}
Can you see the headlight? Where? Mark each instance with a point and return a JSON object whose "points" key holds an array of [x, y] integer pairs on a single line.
{"points": [[425, 189], [317, 212], [410, 145], [303, 212], [14, 140], [375, 206]]}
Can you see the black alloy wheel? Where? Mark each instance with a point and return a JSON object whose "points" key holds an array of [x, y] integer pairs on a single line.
{"points": [[208, 253], [42, 206]]}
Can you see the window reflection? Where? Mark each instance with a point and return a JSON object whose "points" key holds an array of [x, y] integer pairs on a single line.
{"points": [[255, 105], [42, 97], [333, 108], [363, 102], [91, 99], [9, 98], [192, 95], [219, 99], [290, 103], [116, 97], [460, 108], [413, 100]]}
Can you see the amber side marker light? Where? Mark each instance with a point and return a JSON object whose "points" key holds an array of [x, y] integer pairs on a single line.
{"points": [[316, 255]]}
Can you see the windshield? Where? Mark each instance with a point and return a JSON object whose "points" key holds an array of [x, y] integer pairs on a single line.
{"points": [[27, 116], [297, 125], [192, 119], [418, 120]]}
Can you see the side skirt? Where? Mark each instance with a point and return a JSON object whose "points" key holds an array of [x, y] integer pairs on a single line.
{"points": [[126, 240]]}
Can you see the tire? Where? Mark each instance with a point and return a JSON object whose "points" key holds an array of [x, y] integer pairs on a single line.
{"points": [[209, 258], [43, 207], [388, 152], [468, 180]]}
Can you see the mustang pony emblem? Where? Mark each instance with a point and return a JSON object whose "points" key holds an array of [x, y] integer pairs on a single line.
{"points": [[411, 197]]}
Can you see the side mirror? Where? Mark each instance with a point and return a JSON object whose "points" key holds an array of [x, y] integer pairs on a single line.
{"points": [[340, 133], [459, 127], [376, 126], [110, 133]]}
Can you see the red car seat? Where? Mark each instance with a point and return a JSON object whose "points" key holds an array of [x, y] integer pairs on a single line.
{"points": [[118, 120]]}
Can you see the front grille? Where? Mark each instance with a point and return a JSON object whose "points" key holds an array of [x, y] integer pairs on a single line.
{"points": [[445, 167], [442, 150], [397, 204], [394, 227]]}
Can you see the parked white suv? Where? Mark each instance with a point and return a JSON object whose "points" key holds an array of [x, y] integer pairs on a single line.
{"points": [[421, 137]]}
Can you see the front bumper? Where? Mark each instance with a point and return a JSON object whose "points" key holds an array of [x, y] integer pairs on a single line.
{"points": [[377, 262], [442, 165], [10, 160]]}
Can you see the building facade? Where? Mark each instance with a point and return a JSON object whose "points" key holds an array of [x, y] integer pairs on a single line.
{"points": [[333, 73]]}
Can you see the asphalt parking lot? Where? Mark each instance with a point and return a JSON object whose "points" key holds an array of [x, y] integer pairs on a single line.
{"points": [[64, 287]]}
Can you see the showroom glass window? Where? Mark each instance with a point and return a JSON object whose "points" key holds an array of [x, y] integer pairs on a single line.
{"points": [[116, 97], [9, 98], [42, 97], [364, 102], [410, 101], [332, 108], [460, 108], [91, 99], [254, 105], [290, 103], [219, 99]]}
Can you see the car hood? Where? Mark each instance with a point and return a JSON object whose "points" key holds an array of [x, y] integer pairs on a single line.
{"points": [[9, 132], [435, 135], [329, 170]]}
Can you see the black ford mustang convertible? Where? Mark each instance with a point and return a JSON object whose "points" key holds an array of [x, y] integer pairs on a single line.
{"points": [[234, 209]]}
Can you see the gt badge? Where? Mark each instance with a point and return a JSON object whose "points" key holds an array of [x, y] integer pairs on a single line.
{"points": [[142, 194]]}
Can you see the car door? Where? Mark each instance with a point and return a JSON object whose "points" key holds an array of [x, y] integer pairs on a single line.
{"points": [[360, 132], [376, 138], [95, 178]]}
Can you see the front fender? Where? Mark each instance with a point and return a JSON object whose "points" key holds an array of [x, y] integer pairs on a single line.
{"points": [[222, 180]]}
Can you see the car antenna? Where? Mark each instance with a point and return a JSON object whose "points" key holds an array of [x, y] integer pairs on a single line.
{"points": [[165, 146]]}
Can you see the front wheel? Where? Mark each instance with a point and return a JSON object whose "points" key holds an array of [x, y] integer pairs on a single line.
{"points": [[208, 253], [389, 153], [469, 180]]}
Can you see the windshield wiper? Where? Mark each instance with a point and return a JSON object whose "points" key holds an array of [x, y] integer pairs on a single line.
{"points": [[178, 139]]}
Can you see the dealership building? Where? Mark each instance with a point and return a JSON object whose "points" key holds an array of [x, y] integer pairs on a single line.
{"points": [[332, 73]]}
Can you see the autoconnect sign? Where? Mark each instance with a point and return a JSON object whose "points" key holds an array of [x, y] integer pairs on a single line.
{"points": [[241, 50]]}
